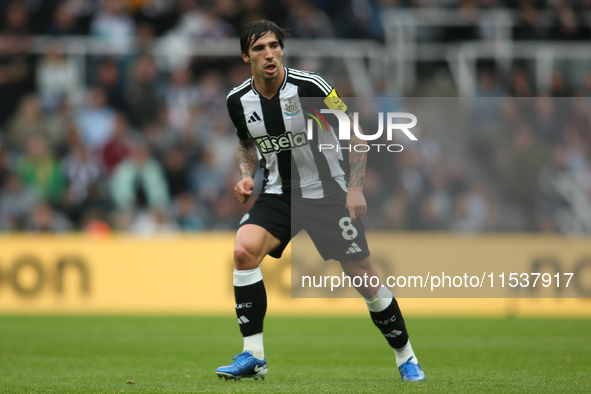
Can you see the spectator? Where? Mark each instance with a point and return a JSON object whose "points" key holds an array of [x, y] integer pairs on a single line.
{"points": [[16, 76], [472, 210], [227, 213], [144, 107], [81, 8], [579, 119], [6, 165], [40, 171], [138, 182], [253, 10], [558, 86], [144, 38], [396, 209], [17, 20], [96, 208], [306, 21], [160, 14], [81, 170], [212, 95], [161, 138], [219, 139], [485, 120], [186, 213], [469, 13], [359, 19], [436, 205], [113, 25], [548, 121], [64, 22], [176, 170], [489, 29], [181, 97], [118, 146], [567, 23], [58, 79], [96, 120], [201, 22], [555, 208], [195, 24], [522, 171], [207, 180], [26, 123], [231, 11], [29, 120], [576, 157], [520, 84], [530, 24], [16, 202], [44, 219], [110, 81]]}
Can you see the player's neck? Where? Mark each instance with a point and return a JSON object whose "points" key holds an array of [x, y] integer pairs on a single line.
{"points": [[269, 87]]}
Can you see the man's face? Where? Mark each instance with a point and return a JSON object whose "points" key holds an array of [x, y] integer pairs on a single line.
{"points": [[264, 56]]}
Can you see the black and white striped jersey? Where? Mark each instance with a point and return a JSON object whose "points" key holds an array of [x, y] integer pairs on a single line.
{"points": [[292, 164]]}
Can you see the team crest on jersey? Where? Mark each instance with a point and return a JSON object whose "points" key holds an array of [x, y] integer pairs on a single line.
{"points": [[291, 108]]}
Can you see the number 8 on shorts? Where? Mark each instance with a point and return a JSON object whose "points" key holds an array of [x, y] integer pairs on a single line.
{"points": [[349, 232]]}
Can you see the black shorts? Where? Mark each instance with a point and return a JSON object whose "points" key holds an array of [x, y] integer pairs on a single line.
{"points": [[326, 221]]}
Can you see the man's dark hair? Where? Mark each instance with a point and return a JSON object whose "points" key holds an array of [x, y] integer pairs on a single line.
{"points": [[256, 30]]}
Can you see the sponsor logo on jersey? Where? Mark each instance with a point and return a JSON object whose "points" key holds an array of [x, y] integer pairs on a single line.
{"points": [[287, 141], [254, 117], [291, 108]]}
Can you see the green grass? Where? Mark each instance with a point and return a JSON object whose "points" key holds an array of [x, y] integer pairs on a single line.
{"points": [[85, 354]]}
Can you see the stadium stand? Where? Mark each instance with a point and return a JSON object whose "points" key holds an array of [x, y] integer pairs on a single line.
{"points": [[104, 82]]}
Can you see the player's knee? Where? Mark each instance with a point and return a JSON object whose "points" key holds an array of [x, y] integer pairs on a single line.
{"points": [[357, 267], [245, 258]]}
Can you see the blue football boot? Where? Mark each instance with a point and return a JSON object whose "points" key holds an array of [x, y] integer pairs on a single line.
{"points": [[244, 366], [411, 371]]}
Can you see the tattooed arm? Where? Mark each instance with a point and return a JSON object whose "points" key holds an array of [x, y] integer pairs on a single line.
{"points": [[247, 162], [355, 201]]}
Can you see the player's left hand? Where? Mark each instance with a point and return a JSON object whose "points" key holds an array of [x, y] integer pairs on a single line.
{"points": [[356, 203]]}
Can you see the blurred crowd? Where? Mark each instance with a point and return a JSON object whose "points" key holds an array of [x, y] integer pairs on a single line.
{"points": [[512, 158], [125, 142], [509, 159], [535, 146]]}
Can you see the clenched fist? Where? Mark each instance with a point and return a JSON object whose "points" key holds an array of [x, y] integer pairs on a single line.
{"points": [[243, 189]]}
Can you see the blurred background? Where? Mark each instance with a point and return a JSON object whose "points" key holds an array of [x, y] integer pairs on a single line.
{"points": [[113, 116], [118, 163]]}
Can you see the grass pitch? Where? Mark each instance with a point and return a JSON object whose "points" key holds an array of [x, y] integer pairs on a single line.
{"points": [[84, 354]]}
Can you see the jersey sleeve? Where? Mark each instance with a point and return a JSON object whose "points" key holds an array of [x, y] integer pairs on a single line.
{"points": [[318, 86], [237, 116]]}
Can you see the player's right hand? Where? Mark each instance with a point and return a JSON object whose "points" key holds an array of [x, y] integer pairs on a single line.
{"points": [[243, 189]]}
